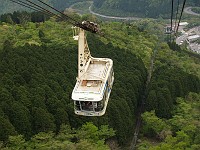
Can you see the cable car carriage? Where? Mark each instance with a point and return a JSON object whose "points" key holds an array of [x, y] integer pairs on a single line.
{"points": [[94, 82], [168, 30]]}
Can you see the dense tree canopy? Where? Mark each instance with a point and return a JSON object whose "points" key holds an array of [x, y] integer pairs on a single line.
{"points": [[179, 132], [167, 84], [38, 73], [144, 8], [88, 137], [8, 6]]}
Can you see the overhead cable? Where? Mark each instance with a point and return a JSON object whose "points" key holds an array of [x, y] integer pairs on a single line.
{"points": [[177, 11], [71, 20], [43, 8], [172, 10], [180, 16], [34, 6], [27, 5], [74, 23]]}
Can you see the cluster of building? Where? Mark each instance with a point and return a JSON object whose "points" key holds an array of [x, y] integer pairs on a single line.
{"points": [[193, 40], [191, 36]]}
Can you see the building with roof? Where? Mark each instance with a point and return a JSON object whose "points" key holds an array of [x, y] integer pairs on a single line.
{"points": [[192, 38]]}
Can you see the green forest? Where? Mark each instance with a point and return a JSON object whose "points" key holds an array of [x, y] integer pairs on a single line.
{"points": [[181, 131], [88, 137], [8, 6], [140, 8], [38, 70]]}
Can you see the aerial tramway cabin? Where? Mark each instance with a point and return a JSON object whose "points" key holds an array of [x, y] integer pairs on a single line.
{"points": [[94, 82]]}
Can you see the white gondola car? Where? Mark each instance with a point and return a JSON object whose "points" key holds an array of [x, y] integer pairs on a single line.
{"points": [[168, 30], [94, 82]]}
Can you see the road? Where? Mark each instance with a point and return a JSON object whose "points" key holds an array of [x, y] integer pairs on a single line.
{"points": [[112, 17], [104, 16], [188, 10]]}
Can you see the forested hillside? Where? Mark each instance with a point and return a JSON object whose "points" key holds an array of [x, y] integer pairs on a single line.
{"points": [[172, 103], [38, 71], [8, 6], [181, 131], [175, 75], [88, 137], [142, 8]]}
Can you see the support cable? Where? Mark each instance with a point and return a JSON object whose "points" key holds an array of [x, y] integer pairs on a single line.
{"points": [[172, 10], [89, 26], [177, 11], [74, 23], [27, 5], [180, 16], [45, 9]]}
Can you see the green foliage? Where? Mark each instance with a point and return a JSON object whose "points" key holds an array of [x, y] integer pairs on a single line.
{"points": [[130, 38], [175, 75], [81, 8], [8, 7], [93, 134], [142, 8], [38, 73], [6, 128], [20, 118], [62, 4], [42, 120], [38, 67], [145, 8], [196, 10], [122, 104], [91, 139], [154, 125], [183, 126]]}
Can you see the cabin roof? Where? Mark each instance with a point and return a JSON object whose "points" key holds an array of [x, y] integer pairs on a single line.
{"points": [[92, 83], [97, 70]]}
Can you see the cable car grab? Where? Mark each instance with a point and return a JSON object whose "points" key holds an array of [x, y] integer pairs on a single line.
{"points": [[95, 77]]}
